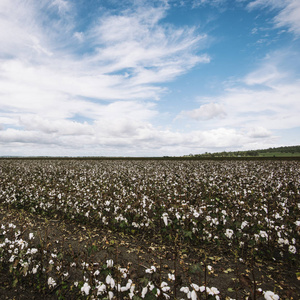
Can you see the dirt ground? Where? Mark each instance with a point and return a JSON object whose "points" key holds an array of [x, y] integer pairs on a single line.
{"points": [[232, 277]]}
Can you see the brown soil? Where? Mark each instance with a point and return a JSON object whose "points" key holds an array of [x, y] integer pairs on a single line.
{"points": [[232, 277]]}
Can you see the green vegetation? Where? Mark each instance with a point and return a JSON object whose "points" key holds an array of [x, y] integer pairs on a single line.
{"points": [[288, 151]]}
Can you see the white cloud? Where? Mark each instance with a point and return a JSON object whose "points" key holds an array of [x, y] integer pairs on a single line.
{"points": [[290, 17], [273, 108], [259, 132], [206, 112], [61, 127], [197, 3], [264, 76], [79, 36], [151, 52], [51, 73], [66, 90], [257, 106], [288, 12], [63, 6]]}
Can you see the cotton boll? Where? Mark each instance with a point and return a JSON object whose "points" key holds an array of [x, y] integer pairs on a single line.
{"points": [[85, 289], [269, 295]]}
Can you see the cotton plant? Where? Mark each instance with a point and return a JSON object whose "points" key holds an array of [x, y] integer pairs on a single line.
{"points": [[115, 193], [192, 291]]}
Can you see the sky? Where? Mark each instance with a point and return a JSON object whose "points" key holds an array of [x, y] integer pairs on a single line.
{"points": [[148, 78]]}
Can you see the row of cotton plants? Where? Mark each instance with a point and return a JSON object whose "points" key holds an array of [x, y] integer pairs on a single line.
{"points": [[252, 204], [52, 271], [23, 259]]}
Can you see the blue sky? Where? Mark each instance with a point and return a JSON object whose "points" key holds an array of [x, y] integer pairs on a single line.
{"points": [[148, 78]]}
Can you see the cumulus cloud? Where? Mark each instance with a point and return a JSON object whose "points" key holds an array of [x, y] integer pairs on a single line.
{"points": [[259, 132], [206, 112], [272, 108], [264, 101], [67, 89], [127, 54], [109, 73]]}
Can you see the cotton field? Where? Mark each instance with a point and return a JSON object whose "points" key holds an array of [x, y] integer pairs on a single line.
{"points": [[247, 210]]}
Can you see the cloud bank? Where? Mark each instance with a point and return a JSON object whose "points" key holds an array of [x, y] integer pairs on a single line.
{"points": [[73, 84]]}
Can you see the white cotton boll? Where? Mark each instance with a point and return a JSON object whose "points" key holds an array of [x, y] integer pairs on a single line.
{"points": [[110, 263], [34, 250], [31, 236], [214, 290], [270, 296], [34, 269], [165, 218], [263, 234], [110, 295], [108, 279], [244, 224], [12, 258], [85, 288], [196, 214], [129, 283], [51, 282], [194, 295], [164, 286], [151, 286], [195, 287], [124, 289], [171, 276], [229, 233], [151, 270], [123, 271], [131, 294], [127, 287], [184, 289], [144, 292], [292, 249], [101, 288]]}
